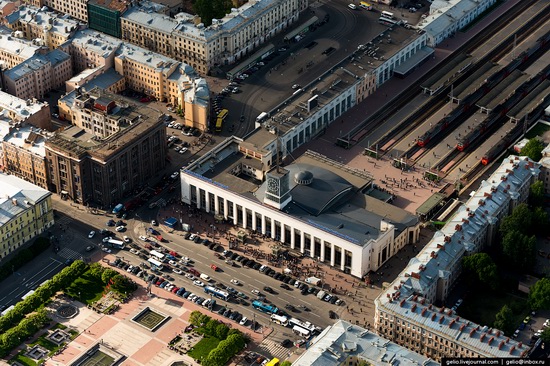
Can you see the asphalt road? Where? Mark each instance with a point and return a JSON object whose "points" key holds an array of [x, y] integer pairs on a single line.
{"points": [[271, 84]]}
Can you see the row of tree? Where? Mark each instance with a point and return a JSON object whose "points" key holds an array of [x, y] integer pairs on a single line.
{"points": [[23, 330], [119, 283], [23, 257], [232, 340], [42, 295]]}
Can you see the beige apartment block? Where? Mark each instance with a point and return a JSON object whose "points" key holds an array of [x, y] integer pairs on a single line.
{"points": [[52, 28], [30, 111], [38, 75], [90, 49], [24, 154], [75, 8], [14, 50], [226, 41], [26, 211]]}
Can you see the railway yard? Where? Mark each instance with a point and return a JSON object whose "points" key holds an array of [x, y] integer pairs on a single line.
{"points": [[474, 107]]}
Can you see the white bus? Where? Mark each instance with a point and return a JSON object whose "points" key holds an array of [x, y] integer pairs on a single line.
{"points": [[387, 21], [301, 331], [155, 264], [386, 14], [158, 255], [279, 319]]}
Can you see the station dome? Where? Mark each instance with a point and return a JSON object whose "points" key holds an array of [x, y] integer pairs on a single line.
{"points": [[303, 177]]}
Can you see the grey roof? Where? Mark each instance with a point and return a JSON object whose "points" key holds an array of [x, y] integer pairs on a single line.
{"points": [[342, 340], [35, 63], [102, 81], [24, 193]]}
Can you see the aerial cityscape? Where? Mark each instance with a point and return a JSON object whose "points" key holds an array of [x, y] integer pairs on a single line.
{"points": [[274, 182]]}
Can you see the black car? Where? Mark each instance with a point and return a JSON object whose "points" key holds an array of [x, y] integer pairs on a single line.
{"points": [[120, 223], [212, 246], [234, 256], [291, 282], [227, 313], [244, 262], [251, 264], [287, 343], [239, 258], [331, 314], [277, 276], [285, 286], [221, 310], [304, 292], [205, 242], [238, 317], [302, 285], [233, 315], [257, 266], [271, 273], [333, 299], [197, 239], [268, 289], [228, 254], [186, 236]]}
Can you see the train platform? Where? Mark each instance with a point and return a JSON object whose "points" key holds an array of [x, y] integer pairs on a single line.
{"points": [[539, 64], [510, 28], [530, 102], [527, 43], [500, 92], [473, 82], [447, 73], [448, 144]]}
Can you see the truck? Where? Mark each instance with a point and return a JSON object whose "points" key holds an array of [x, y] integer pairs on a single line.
{"points": [[313, 281], [321, 294], [118, 208], [116, 244], [261, 117]]}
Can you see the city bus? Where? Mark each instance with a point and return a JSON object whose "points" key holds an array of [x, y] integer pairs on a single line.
{"points": [[217, 292], [387, 21], [386, 14], [157, 255], [266, 308], [279, 319], [304, 325], [301, 331], [155, 264], [220, 118]]}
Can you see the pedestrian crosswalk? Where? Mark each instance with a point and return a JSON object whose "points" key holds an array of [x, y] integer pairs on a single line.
{"points": [[273, 349], [64, 221], [68, 253]]}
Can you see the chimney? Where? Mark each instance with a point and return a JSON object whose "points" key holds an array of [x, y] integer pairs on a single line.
{"points": [[14, 201]]}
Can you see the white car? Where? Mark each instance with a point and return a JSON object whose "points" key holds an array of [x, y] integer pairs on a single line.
{"points": [[172, 263], [126, 239], [175, 175], [177, 271], [130, 268], [295, 86], [243, 320], [183, 150], [192, 237], [190, 276], [198, 283], [120, 228], [255, 292], [154, 222], [144, 238], [134, 251], [185, 260], [106, 250], [106, 239], [235, 282], [91, 234]]}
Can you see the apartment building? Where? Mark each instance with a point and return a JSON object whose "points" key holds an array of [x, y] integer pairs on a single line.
{"points": [[23, 153], [86, 167], [314, 206], [344, 343], [28, 111], [90, 49], [52, 28], [75, 8], [35, 77], [224, 42], [14, 50], [25, 212], [404, 311]]}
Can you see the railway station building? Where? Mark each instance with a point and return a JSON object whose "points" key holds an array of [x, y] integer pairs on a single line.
{"points": [[315, 206], [405, 313]]}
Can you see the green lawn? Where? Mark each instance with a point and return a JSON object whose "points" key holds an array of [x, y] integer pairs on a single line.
{"points": [[538, 130], [46, 343], [203, 348], [86, 289], [24, 360], [481, 307]]}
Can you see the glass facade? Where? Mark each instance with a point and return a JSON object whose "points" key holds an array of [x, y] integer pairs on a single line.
{"points": [[104, 20]]}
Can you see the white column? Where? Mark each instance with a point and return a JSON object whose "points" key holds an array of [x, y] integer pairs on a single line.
{"points": [[225, 208], [263, 228], [343, 261], [244, 218], [253, 220], [283, 236], [332, 254], [322, 251], [272, 228], [207, 200], [292, 238], [235, 214], [216, 205], [302, 241], [198, 198]]}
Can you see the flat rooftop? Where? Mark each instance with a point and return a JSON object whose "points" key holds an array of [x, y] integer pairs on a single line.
{"points": [[134, 120], [96, 42], [27, 137], [117, 5], [61, 24], [20, 108], [18, 46]]}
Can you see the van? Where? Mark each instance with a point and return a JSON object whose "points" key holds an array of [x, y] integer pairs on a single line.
{"points": [[365, 5], [205, 277], [352, 6]]}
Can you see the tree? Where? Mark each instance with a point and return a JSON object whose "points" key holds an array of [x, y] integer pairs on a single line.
{"points": [[540, 221], [123, 284], [210, 327], [533, 149], [286, 363], [221, 331], [195, 318], [481, 269], [520, 220], [211, 9], [519, 250], [504, 320], [107, 274], [536, 193], [96, 270], [539, 294], [545, 336]]}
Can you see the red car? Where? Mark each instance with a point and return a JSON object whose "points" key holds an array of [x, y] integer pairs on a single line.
{"points": [[174, 254]]}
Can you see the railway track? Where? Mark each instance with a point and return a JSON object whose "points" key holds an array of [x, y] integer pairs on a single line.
{"points": [[439, 100]]}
